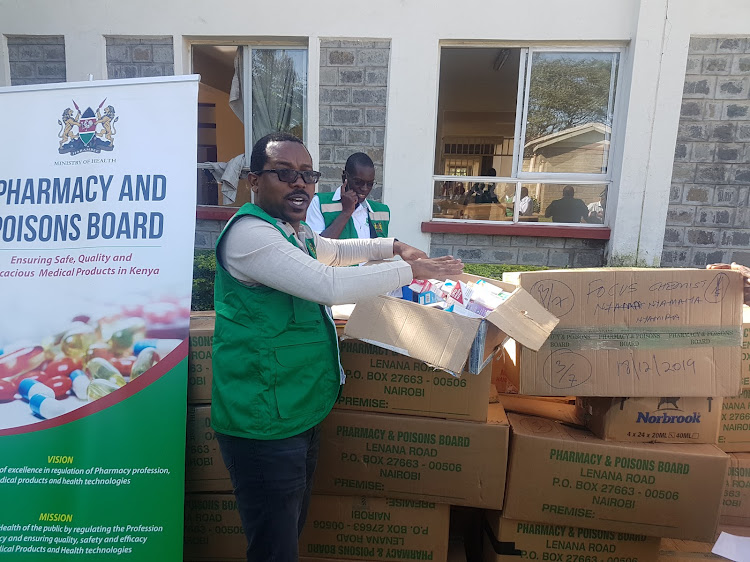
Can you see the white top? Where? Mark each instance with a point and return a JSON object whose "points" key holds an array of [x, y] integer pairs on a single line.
{"points": [[360, 216], [255, 253], [525, 206]]}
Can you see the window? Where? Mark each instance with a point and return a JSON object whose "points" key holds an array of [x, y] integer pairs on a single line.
{"points": [[524, 134], [245, 93]]}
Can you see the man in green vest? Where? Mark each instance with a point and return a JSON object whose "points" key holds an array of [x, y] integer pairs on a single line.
{"points": [[276, 370], [346, 212]]}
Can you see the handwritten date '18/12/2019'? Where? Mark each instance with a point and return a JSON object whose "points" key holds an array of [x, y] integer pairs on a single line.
{"points": [[568, 369]]}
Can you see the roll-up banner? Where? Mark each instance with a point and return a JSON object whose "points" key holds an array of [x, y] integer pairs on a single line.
{"points": [[97, 225]]}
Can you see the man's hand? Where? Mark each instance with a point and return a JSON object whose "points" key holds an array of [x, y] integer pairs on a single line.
{"points": [[736, 267], [349, 201], [437, 268], [408, 253]]}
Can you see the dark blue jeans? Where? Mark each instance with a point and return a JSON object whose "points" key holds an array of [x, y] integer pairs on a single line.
{"points": [[272, 482]]}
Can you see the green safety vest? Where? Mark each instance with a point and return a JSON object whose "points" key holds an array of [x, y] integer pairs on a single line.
{"points": [[276, 370], [379, 216]]}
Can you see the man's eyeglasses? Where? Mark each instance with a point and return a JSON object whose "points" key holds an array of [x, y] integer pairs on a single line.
{"points": [[287, 175], [359, 183]]}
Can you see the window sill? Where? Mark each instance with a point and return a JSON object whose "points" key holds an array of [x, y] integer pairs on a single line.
{"points": [[541, 231], [214, 212]]}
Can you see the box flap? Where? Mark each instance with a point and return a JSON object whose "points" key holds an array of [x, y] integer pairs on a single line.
{"points": [[524, 319], [428, 334]]}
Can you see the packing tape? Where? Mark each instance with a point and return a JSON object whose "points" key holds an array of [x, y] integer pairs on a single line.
{"points": [[610, 338]]}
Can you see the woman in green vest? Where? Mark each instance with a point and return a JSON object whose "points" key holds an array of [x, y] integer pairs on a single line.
{"points": [[276, 370], [346, 212]]}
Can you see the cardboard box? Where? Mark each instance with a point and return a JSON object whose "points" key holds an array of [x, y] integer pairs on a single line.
{"points": [[204, 468], [653, 420], [445, 461], [380, 380], [735, 504], [361, 528], [213, 530], [507, 540], [200, 372], [567, 476], [636, 332], [346, 528], [673, 550], [446, 340], [734, 431], [733, 530]]}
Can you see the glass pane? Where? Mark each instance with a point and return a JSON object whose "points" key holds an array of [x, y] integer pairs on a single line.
{"points": [[572, 203], [477, 96], [208, 188], [569, 119], [473, 200], [279, 82]]}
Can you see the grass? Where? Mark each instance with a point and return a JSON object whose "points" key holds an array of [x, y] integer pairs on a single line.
{"points": [[495, 270]]}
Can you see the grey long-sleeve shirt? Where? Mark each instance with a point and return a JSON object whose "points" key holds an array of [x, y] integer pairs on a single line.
{"points": [[255, 253]]}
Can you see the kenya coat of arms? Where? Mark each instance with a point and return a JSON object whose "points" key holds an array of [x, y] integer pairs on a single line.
{"points": [[87, 131]]}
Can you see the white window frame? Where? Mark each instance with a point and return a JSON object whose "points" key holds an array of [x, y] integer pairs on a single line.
{"points": [[572, 178], [247, 100], [518, 177]]}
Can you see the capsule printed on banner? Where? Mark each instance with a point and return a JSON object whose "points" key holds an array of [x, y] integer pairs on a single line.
{"points": [[80, 384], [60, 385], [20, 360], [123, 364], [99, 388], [46, 407], [128, 332], [143, 344], [100, 368], [146, 359], [32, 387], [76, 341]]}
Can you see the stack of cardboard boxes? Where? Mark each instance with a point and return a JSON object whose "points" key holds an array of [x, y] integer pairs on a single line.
{"points": [[650, 354], [407, 440], [406, 434], [404, 442]]}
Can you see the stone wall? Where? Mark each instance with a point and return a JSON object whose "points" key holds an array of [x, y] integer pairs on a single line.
{"points": [[207, 232], [523, 250], [353, 96], [36, 59], [139, 57], [708, 219]]}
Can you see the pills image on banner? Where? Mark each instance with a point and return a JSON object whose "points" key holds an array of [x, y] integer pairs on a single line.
{"points": [[91, 354]]}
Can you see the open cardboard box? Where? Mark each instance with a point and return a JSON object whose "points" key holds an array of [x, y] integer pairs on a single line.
{"points": [[446, 340]]}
